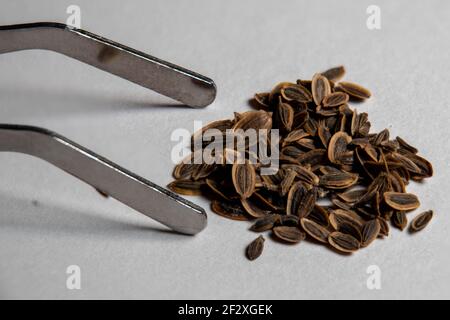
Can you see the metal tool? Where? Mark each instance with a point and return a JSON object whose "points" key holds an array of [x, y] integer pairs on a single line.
{"points": [[163, 77], [107, 177]]}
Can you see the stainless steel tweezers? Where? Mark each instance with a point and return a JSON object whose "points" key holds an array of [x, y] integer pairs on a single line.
{"points": [[178, 83]]}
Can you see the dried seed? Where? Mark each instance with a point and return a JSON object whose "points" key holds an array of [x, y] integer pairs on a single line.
{"points": [[287, 181], [340, 217], [340, 180], [421, 221], [187, 187], [335, 99], [301, 200], [244, 179], [324, 135], [218, 189], [289, 220], [289, 234], [252, 209], [294, 136], [315, 230], [320, 215], [297, 93], [352, 196], [277, 90], [337, 147], [255, 248], [262, 99], [334, 74], [401, 201], [203, 170], [320, 87], [384, 227], [369, 232], [343, 242], [406, 146], [285, 115], [255, 120], [351, 229], [265, 223], [230, 210], [399, 219], [355, 90], [327, 152], [198, 137], [303, 174], [184, 170]]}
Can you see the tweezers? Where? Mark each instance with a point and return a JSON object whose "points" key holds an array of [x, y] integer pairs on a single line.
{"points": [[107, 177], [168, 79]]}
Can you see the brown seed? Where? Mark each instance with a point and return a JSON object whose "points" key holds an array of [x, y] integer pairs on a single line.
{"points": [[255, 248], [230, 210], [340, 180], [253, 209], [289, 234], [287, 181], [187, 187], [315, 230], [244, 179], [301, 200], [352, 196], [255, 120], [335, 99], [421, 221], [399, 219], [285, 115], [265, 223], [320, 215], [184, 170], [262, 99], [203, 170], [302, 173], [320, 87], [289, 220], [297, 93], [277, 90], [198, 137], [343, 242], [369, 232], [339, 217], [351, 229], [355, 90], [217, 189], [406, 146], [401, 201], [294, 136], [384, 227], [327, 152], [337, 147], [334, 74]]}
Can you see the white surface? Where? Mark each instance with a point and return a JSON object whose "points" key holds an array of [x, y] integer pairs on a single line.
{"points": [[246, 47]]}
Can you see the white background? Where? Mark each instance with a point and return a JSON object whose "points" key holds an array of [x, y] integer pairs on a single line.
{"points": [[49, 220]]}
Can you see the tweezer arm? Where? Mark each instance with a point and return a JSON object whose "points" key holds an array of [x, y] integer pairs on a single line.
{"points": [[117, 182], [163, 77]]}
